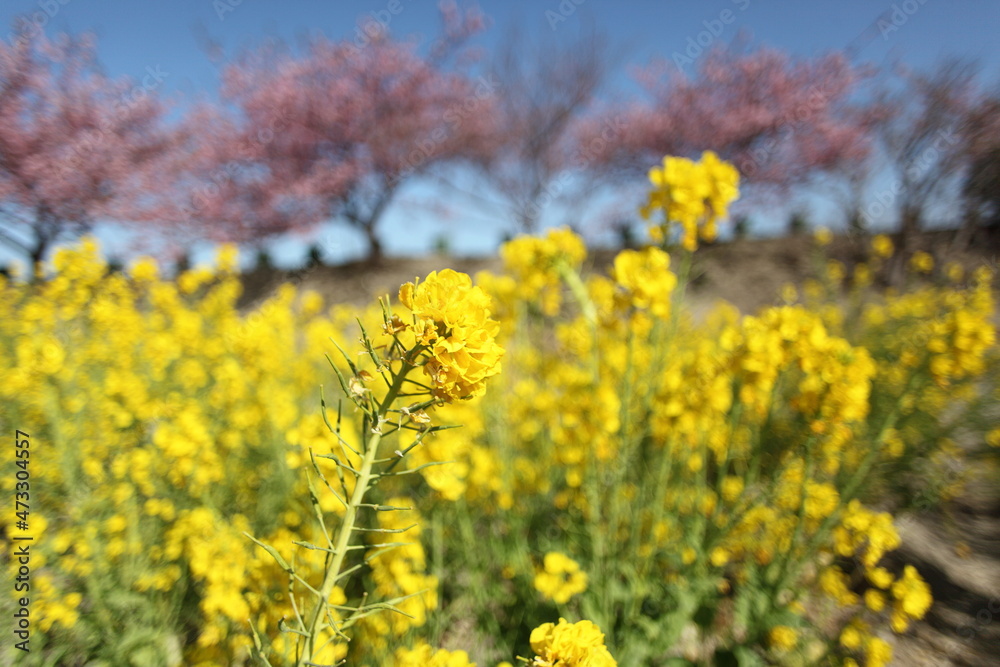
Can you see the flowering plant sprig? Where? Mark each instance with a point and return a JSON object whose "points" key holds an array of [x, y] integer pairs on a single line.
{"points": [[567, 644], [693, 195], [451, 338]]}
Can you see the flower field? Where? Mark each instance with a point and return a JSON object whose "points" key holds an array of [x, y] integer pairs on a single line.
{"points": [[541, 466]]}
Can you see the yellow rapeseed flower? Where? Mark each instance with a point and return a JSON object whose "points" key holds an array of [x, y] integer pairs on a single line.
{"points": [[912, 598], [561, 578], [423, 655], [570, 645], [879, 652], [694, 195], [783, 637], [921, 262], [882, 245], [823, 236], [451, 320], [534, 262], [145, 269], [645, 275]]}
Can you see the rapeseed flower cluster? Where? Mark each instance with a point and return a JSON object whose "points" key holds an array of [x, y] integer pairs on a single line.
{"points": [[560, 578], [426, 656], [645, 279], [534, 265], [567, 644], [694, 195], [455, 333]]}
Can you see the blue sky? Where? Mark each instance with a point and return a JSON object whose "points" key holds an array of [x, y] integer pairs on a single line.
{"points": [[169, 37]]}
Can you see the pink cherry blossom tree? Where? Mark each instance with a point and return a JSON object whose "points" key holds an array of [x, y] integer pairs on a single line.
{"points": [[780, 120], [75, 146], [333, 133]]}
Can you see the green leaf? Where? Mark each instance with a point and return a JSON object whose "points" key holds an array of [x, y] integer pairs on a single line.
{"points": [[271, 550], [340, 376], [350, 362]]}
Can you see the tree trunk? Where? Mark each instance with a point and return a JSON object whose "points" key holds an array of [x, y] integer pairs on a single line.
{"points": [[37, 255], [856, 223], [909, 228], [963, 237], [375, 250]]}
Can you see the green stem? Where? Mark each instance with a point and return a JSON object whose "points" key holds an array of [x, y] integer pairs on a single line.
{"points": [[579, 291], [597, 532], [598, 541], [680, 292], [364, 478], [437, 566], [851, 488], [473, 558], [683, 276], [790, 555], [340, 551], [644, 564]]}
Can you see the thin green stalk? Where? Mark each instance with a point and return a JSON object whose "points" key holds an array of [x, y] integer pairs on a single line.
{"points": [[340, 551], [629, 445], [852, 487], [598, 541], [579, 290], [645, 563], [789, 556], [598, 535], [473, 556], [683, 278], [437, 567], [333, 571]]}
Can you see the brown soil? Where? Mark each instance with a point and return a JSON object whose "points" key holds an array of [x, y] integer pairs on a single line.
{"points": [[748, 274], [955, 547]]}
